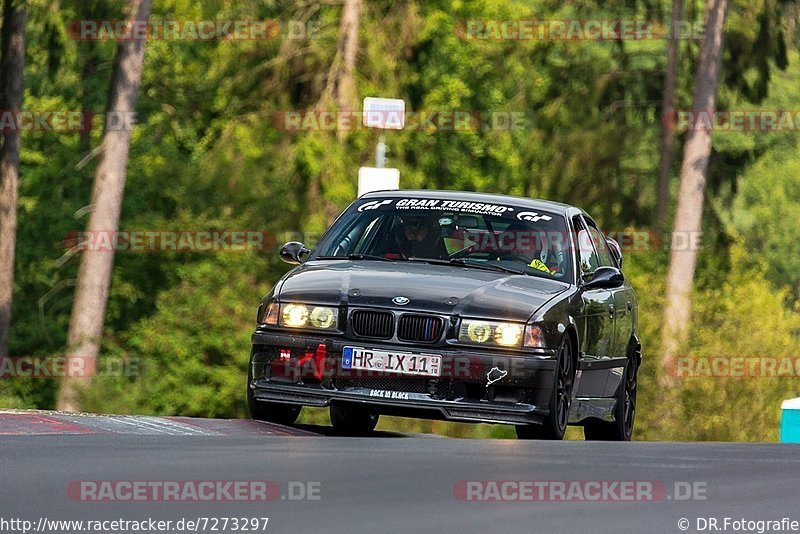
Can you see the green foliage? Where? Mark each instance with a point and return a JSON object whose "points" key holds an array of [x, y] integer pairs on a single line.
{"points": [[188, 357], [744, 317], [740, 317], [767, 214]]}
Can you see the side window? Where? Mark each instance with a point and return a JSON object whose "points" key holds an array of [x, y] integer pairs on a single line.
{"points": [[367, 236], [354, 236], [600, 245], [588, 260]]}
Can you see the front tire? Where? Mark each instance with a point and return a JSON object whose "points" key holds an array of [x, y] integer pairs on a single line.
{"points": [[554, 425], [273, 412], [624, 412], [351, 420]]}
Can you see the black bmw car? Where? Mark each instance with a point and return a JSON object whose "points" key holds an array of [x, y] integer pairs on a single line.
{"points": [[457, 306]]}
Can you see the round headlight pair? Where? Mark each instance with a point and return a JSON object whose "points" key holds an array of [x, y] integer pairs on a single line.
{"points": [[505, 334], [300, 315]]}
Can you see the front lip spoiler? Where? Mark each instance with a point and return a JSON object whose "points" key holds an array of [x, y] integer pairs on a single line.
{"points": [[470, 412]]}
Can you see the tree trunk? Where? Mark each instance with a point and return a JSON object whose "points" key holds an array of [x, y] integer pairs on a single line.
{"points": [[341, 85], [88, 71], [12, 66], [667, 149], [94, 274], [688, 217], [348, 29]]}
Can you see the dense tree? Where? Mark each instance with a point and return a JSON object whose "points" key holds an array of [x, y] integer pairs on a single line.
{"points": [[12, 65], [689, 213], [94, 277], [667, 148]]}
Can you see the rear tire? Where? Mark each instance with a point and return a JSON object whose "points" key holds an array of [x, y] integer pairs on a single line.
{"points": [[555, 424], [351, 420], [621, 429]]}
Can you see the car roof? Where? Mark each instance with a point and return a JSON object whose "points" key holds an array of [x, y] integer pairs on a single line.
{"points": [[548, 205]]}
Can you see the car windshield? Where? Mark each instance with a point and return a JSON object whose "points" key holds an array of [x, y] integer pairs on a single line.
{"points": [[505, 238]]}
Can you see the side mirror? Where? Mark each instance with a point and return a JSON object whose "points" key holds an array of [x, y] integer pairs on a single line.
{"points": [[293, 252], [605, 278], [615, 249]]}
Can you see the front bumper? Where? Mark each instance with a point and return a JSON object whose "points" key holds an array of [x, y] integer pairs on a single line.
{"points": [[288, 368]]}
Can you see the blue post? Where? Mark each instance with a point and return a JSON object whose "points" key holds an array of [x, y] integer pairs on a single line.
{"points": [[790, 421]]}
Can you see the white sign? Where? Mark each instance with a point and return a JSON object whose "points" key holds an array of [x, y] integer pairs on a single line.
{"points": [[384, 113], [374, 179]]}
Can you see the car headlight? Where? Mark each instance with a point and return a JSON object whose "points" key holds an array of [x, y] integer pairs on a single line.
{"points": [[294, 315], [322, 317], [490, 333], [478, 331], [305, 316]]}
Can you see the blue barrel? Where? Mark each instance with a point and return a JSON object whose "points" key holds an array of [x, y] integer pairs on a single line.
{"points": [[790, 421]]}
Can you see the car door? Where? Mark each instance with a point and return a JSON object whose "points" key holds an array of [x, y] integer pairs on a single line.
{"points": [[622, 299], [598, 303]]}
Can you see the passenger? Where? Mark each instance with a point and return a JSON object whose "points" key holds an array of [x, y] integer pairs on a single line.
{"points": [[419, 236]]}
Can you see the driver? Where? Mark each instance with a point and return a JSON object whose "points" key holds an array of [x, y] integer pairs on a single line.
{"points": [[532, 246], [419, 236]]}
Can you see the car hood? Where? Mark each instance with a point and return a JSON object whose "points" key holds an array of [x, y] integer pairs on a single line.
{"points": [[433, 288]]}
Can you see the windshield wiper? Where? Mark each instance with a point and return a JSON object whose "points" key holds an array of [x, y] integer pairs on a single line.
{"points": [[461, 262], [356, 257]]}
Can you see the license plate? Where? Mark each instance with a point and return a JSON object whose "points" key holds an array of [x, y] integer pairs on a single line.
{"points": [[391, 362]]}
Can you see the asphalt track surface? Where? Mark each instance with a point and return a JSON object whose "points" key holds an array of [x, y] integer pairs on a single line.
{"points": [[388, 483]]}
